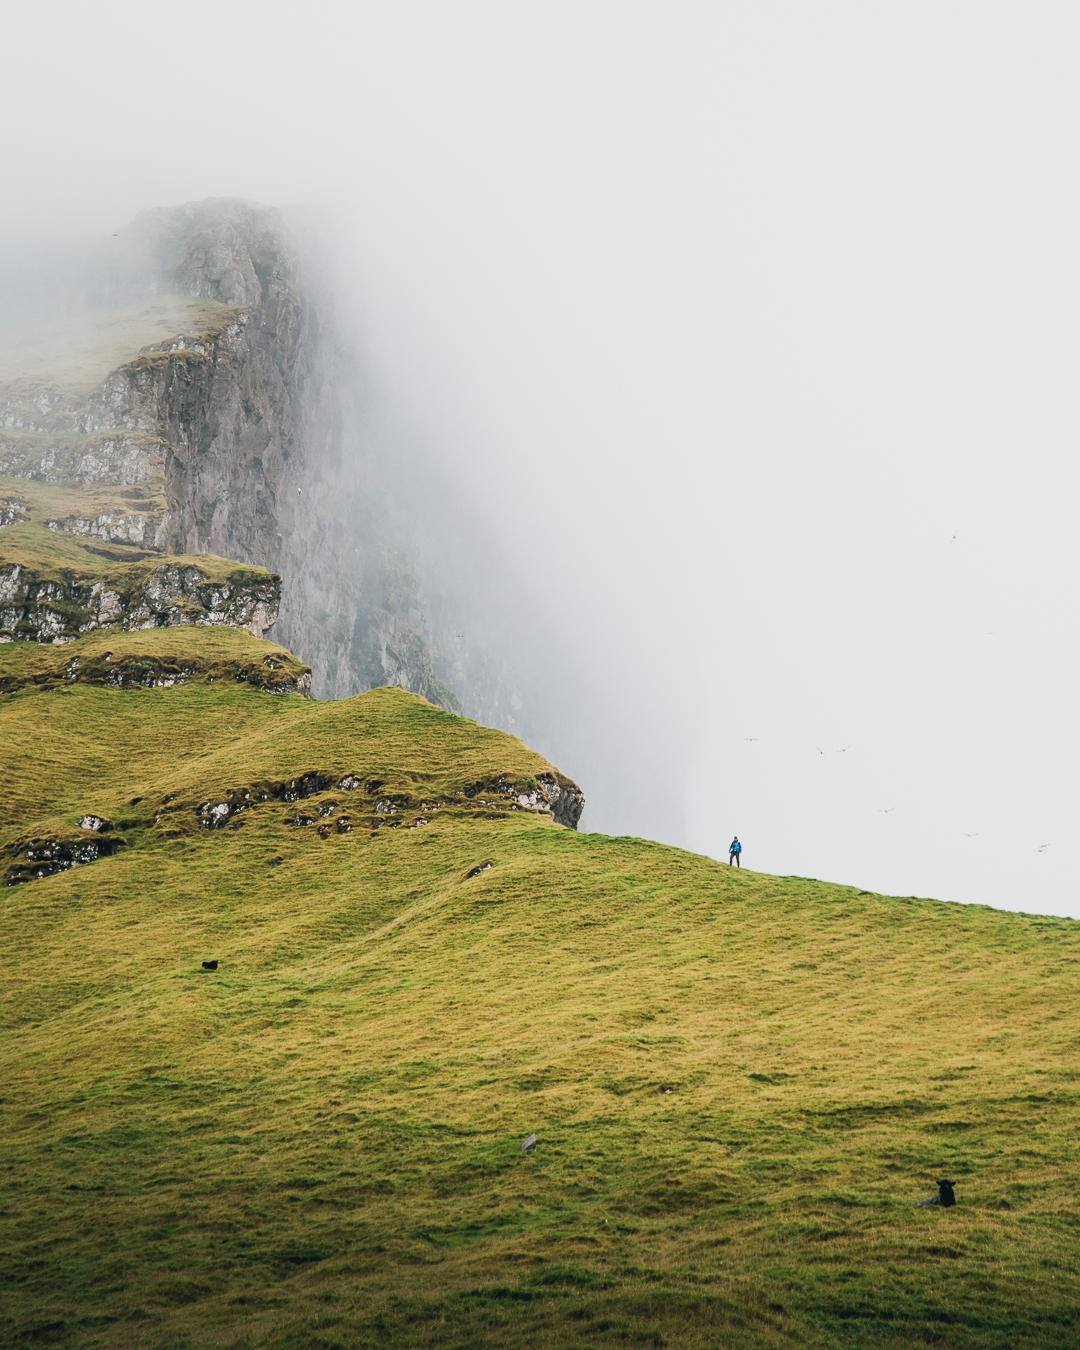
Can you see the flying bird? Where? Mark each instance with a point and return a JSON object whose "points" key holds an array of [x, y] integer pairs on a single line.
{"points": [[886, 810], [969, 836], [751, 738], [1042, 848]]}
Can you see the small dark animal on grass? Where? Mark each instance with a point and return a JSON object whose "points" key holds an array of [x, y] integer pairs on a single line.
{"points": [[945, 1196], [528, 1144], [209, 965]]}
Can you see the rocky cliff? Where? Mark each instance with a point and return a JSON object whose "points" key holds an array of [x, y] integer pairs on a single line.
{"points": [[256, 418], [70, 563], [207, 414]]}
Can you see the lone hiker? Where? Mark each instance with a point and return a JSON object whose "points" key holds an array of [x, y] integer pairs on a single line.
{"points": [[733, 852]]}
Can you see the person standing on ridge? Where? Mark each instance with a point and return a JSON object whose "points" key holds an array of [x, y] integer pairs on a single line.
{"points": [[733, 852]]}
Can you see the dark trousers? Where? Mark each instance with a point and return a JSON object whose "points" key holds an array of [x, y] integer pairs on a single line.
{"points": [[734, 858]]}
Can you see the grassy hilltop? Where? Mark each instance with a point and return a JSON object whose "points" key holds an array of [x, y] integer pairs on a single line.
{"points": [[740, 1083]]}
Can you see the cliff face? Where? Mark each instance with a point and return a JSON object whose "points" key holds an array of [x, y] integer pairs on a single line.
{"points": [[228, 405], [253, 419], [204, 400], [206, 414]]}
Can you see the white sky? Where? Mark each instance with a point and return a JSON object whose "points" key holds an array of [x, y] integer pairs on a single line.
{"points": [[759, 318]]}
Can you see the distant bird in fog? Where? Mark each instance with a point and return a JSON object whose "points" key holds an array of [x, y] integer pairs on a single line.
{"points": [[969, 836], [1042, 848], [886, 810]]}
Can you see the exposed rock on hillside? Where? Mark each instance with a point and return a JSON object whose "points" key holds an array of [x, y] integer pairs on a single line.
{"points": [[116, 513], [548, 794], [115, 527], [11, 510], [553, 794], [43, 608], [113, 458], [37, 858]]}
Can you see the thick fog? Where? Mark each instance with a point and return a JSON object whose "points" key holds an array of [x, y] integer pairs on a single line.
{"points": [[732, 346]]}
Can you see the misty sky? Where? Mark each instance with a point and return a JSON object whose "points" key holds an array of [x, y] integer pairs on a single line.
{"points": [[752, 326]]}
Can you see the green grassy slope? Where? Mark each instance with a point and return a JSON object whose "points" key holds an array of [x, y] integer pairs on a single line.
{"points": [[740, 1083], [53, 555], [183, 654], [41, 502]]}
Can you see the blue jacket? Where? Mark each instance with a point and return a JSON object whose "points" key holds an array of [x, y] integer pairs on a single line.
{"points": [[736, 847]]}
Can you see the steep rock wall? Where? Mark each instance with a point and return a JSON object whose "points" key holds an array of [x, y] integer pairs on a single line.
{"points": [[252, 418], [219, 431], [236, 415]]}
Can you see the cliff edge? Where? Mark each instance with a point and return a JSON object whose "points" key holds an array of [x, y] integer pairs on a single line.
{"points": [[198, 408]]}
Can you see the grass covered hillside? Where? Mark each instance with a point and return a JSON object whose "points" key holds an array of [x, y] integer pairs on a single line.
{"points": [[740, 1084], [156, 657], [60, 557]]}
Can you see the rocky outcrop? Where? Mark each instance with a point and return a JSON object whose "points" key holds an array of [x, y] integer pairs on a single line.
{"points": [[143, 529], [45, 609], [12, 509], [37, 858], [563, 799], [547, 794], [28, 406], [148, 672], [114, 457], [551, 794]]}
